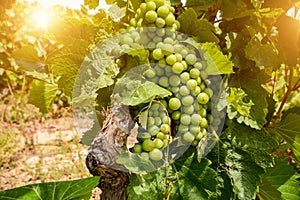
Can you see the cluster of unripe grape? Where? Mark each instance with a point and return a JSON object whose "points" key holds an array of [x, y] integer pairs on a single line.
{"points": [[177, 66]]}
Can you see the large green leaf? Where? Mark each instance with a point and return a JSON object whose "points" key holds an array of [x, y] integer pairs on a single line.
{"points": [[76, 189], [42, 95], [280, 180], [201, 28], [244, 172], [288, 129], [134, 89], [217, 62], [250, 81], [28, 59]]}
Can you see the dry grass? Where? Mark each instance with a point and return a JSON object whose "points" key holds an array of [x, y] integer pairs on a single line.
{"points": [[37, 149]]}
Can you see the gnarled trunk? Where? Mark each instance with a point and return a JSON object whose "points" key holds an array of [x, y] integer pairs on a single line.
{"points": [[107, 145]]}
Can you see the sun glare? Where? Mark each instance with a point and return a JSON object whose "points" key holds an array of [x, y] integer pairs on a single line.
{"points": [[41, 19]]}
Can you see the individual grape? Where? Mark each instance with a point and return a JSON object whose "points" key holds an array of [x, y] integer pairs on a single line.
{"points": [[198, 65], [160, 22], [194, 143], [188, 137], [191, 59], [168, 49], [148, 145], [204, 123], [196, 91], [145, 155], [185, 76], [153, 130], [188, 109], [137, 148], [150, 5], [160, 135], [158, 121], [174, 80], [185, 119], [178, 57], [159, 3], [191, 84], [163, 11], [165, 128], [171, 59], [194, 129], [143, 7], [166, 119], [177, 68], [158, 143], [150, 121], [155, 155], [176, 115], [196, 119], [158, 70], [203, 98], [144, 135], [185, 66], [168, 40], [194, 73], [150, 16], [199, 135], [174, 103], [184, 91], [187, 100], [209, 92], [184, 53], [170, 19], [157, 54], [163, 81]]}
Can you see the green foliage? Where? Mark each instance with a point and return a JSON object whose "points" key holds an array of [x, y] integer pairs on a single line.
{"points": [[76, 189]]}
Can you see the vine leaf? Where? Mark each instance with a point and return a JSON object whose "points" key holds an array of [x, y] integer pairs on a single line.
{"points": [[134, 89], [201, 28], [288, 129], [281, 180], [258, 143], [75, 189], [27, 57], [42, 95], [236, 100], [218, 63], [244, 172]]}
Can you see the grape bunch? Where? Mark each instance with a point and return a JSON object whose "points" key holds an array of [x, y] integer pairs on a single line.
{"points": [[185, 117]]}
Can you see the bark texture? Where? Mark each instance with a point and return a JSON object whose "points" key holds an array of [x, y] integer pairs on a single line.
{"points": [[107, 145]]}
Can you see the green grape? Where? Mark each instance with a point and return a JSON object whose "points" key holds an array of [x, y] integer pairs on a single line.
{"points": [[150, 121], [174, 80], [184, 91], [198, 65], [176, 115], [163, 81], [160, 135], [177, 68], [143, 7], [204, 75], [209, 92], [164, 103], [178, 57], [196, 91], [168, 40], [190, 59], [187, 100], [171, 59], [163, 11], [165, 128], [184, 53], [185, 76], [175, 90], [178, 48], [194, 129], [158, 121], [133, 22], [188, 137], [203, 98], [188, 109], [150, 16], [185, 66], [144, 135], [166, 119], [168, 49], [158, 143], [204, 123], [183, 128], [137, 148], [195, 73], [159, 3], [202, 86], [153, 130], [145, 155], [157, 54], [185, 119], [199, 135], [196, 119], [160, 22], [158, 70], [148, 145], [155, 155], [174, 103], [194, 143], [151, 5], [170, 19], [191, 84]]}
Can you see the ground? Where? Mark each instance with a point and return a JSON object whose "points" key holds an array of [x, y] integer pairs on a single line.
{"points": [[36, 148]]}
